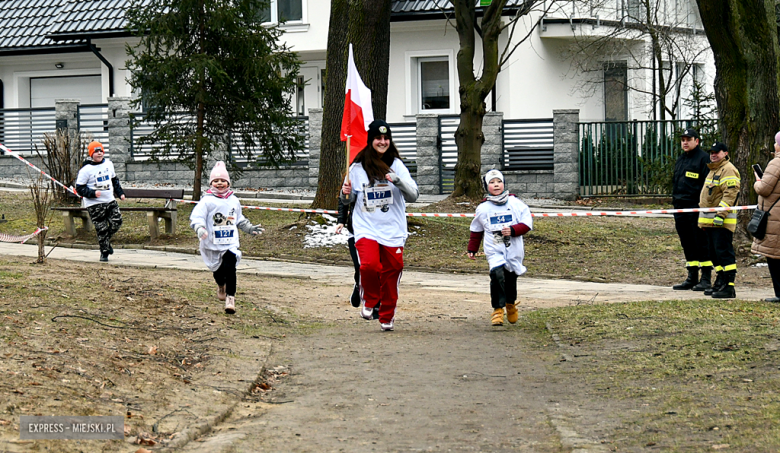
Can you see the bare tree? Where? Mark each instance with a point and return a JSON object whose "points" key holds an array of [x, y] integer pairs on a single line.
{"points": [[365, 24], [474, 87], [654, 39], [743, 35], [64, 155], [42, 204]]}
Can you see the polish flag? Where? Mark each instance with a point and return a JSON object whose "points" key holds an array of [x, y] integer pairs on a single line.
{"points": [[358, 113]]}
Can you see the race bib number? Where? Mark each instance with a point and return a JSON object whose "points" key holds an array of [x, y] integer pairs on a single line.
{"points": [[102, 182], [691, 174], [225, 235], [497, 221], [381, 195]]}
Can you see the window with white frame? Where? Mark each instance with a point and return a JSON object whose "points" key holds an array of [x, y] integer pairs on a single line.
{"points": [[433, 74], [280, 11]]}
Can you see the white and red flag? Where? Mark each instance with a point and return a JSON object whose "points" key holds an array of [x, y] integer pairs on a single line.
{"points": [[358, 113]]}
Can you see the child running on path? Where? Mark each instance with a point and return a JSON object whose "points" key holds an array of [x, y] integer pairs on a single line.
{"points": [[215, 220], [506, 219], [99, 186]]}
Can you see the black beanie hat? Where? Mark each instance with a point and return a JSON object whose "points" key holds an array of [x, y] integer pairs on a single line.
{"points": [[376, 128]]}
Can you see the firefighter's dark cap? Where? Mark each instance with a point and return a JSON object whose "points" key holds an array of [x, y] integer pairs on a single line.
{"points": [[718, 147], [692, 133]]}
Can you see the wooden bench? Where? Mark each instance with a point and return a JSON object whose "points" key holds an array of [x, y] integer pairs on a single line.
{"points": [[153, 213]]}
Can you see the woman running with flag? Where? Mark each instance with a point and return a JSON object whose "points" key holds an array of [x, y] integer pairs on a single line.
{"points": [[380, 186]]}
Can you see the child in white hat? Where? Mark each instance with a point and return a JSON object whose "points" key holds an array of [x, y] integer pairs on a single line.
{"points": [[506, 219], [216, 219]]}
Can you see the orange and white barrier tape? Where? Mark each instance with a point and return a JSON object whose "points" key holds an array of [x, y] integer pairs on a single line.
{"points": [[21, 239], [539, 214], [26, 162]]}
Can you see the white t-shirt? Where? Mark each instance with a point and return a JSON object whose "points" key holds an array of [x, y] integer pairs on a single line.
{"points": [[98, 177], [380, 209], [490, 219], [220, 217]]}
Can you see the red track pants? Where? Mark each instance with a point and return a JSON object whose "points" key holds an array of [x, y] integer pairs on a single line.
{"points": [[380, 275]]}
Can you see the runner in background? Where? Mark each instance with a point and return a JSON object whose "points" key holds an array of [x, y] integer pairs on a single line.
{"points": [[98, 185], [345, 219], [506, 219], [216, 219], [380, 186]]}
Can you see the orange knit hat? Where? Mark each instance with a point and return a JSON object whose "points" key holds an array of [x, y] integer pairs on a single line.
{"points": [[95, 146]]}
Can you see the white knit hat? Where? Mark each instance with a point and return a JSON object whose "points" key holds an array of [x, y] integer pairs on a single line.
{"points": [[219, 172], [492, 174]]}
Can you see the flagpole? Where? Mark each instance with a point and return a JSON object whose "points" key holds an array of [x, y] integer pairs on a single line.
{"points": [[347, 160]]}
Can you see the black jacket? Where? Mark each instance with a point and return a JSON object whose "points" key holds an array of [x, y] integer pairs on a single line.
{"points": [[345, 214], [690, 171]]}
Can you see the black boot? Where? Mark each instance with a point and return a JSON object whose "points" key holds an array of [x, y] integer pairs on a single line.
{"points": [[706, 278], [691, 281], [103, 256], [355, 298], [715, 286], [727, 291]]}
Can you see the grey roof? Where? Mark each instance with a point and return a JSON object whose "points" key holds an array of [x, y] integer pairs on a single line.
{"points": [[30, 26], [87, 17], [25, 24]]}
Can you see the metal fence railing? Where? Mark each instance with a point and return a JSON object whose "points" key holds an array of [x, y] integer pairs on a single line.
{"points": [[528, 144], [632, 157], [22, 129], [237, 152], [448, 151], [140, 128], [405, 139], [93, 119], [235, 147]]}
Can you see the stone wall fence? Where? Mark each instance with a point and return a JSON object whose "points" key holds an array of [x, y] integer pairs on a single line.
{"points": [[561, 182]]}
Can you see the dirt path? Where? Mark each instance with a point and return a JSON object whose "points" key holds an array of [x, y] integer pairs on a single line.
{"points": [[445, 380]]}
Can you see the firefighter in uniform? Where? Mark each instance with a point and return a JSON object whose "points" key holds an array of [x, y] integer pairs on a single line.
{"points": [[690, 171], [721, 190]]}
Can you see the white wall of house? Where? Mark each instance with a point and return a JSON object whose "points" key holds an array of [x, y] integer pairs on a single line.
{"points": [[537, 79], [71, 74]]}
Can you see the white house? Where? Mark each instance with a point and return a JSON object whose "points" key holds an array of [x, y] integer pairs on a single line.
{"points": [[75, 49]]}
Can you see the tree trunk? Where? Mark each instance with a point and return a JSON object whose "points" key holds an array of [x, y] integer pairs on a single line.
{"points": [[199, 154], [473, 91], [41, 250], [743, 37], [366, 25]]}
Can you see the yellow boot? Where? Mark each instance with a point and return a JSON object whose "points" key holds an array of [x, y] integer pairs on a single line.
{"points": [[511, 313], [498, 317]]}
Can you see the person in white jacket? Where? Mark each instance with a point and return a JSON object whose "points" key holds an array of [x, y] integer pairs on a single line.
{"points": [[380, 186], [216, 220]]}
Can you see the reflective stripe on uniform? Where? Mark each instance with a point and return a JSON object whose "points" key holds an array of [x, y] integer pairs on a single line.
{"points": [[730, 267], [728, 181], [718, 268], [727, 221], [692, 264], [705, 264]]}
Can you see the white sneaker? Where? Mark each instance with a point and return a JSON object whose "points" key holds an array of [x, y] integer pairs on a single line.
{"points": [[386, 326], [366, 312], [230, 305]]}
